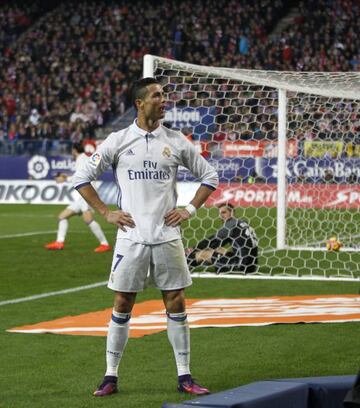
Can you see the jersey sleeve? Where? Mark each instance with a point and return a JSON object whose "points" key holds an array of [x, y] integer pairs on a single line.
{"points": [[90, 169], [198, 166], [78, 163]]}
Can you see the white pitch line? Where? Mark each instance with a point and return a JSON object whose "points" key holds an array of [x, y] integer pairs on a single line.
{"points": [[27, 234], [48, 294], [209, 275], [62, 330], [27, 215]]}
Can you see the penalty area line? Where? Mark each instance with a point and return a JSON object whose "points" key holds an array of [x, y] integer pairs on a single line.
{"points": [[48, 294]]}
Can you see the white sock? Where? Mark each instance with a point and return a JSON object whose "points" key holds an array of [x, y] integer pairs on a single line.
{"points": [[62, 230], [116, 341], [179, 337], [97, 231]]}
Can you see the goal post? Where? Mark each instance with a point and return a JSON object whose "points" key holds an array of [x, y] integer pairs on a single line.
{"points": [[281, 177], [286, 147]]}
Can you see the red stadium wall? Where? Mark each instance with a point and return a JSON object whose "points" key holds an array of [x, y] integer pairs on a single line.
{"points": [[298, 195]]}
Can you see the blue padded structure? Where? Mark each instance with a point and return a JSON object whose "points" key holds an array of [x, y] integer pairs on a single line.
{"points": [[262, 394], [325, 392], [170, 405]]}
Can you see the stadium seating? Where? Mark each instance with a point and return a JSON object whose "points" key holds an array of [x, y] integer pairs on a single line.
{"points": [[43, 68], [308, 392]]}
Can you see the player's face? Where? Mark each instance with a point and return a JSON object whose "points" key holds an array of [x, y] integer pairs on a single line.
{"points": [[153, 105], [225, 213]]}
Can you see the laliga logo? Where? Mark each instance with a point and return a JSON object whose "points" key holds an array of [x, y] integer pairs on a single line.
{"points": [[38, 167]]}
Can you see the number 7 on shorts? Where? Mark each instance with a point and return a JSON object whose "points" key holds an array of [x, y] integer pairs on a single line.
{"points": [[119, 258]]}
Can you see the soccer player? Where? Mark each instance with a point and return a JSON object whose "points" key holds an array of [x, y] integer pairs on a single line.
{"points": [[234, 247], [80, 206], [145, 157]]}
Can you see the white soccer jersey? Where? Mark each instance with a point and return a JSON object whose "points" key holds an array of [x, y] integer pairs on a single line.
{"points": [[79, 205], [79, 162], [145, 167]]}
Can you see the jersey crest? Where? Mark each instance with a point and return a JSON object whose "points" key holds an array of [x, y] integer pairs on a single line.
{"points": [[166, 152]]}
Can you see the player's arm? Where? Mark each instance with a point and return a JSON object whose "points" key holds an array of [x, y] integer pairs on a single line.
{"points": [[177, 215], [219, 241], [120, 218], [88, 171], [207, 175]]}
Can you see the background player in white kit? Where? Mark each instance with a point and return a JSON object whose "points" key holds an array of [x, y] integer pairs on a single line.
{"points": [[79, 206], [145, 157]]}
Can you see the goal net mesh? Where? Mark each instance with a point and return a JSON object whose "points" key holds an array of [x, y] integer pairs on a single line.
{"points": [[232, 116]]}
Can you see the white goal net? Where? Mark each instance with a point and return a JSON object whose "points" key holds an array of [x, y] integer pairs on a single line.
{"points": [[287, 149]]}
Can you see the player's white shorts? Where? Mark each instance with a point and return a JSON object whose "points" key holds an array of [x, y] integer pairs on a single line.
{"points": [[79, 206], [166, 264]]}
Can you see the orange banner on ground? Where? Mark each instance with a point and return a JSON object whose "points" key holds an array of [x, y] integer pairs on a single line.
{"points": [[149, 317]]}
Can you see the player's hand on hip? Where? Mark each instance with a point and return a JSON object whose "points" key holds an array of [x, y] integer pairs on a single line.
{"points": [[120, 218], [176, 216]]}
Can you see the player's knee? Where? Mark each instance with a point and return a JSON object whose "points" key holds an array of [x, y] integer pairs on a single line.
{"points": [[124, 302], [88, 218], [174, 301]]}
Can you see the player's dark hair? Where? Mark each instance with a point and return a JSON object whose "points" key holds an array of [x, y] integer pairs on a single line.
{"points": [[228, 205], [138, 88], [78, 147]]}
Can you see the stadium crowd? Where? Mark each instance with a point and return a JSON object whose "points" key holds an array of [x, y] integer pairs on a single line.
{"points": [[66, 74], [15, 18]]}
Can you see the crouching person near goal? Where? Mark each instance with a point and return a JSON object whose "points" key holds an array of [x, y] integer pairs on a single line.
{"points": [[234, 247], [145, 158]]}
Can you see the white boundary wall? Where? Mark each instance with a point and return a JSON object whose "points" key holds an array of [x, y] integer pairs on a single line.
{"points": [[50, 192]]}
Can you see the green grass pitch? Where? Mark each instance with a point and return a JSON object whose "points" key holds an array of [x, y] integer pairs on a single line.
{"points": [[62, 371]]}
